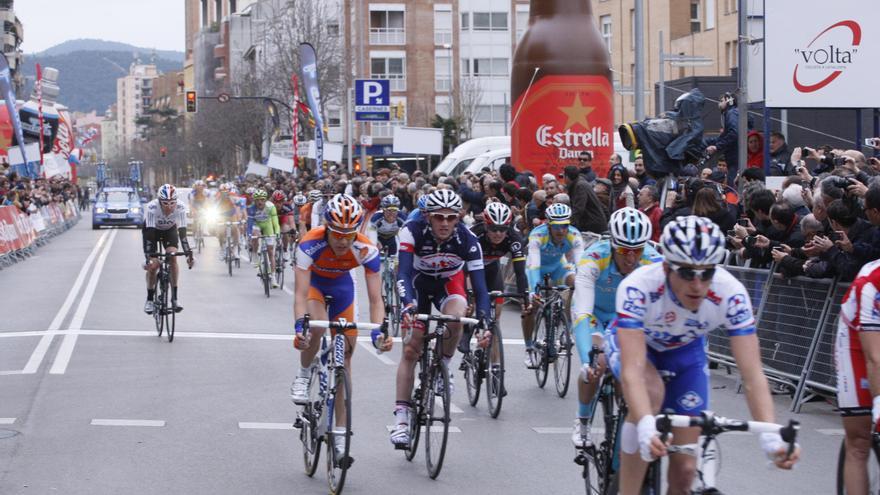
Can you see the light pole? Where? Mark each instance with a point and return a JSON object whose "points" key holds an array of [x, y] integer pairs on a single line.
{"points": [[676, 61]]}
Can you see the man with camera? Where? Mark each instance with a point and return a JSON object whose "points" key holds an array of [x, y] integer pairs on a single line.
{"points": [[727, 143]]}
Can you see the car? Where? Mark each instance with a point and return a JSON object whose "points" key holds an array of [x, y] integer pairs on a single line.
{"points": [[117, 206]]}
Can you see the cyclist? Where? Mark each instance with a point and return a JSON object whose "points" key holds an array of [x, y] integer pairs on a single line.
{"points": [[435, 252], [858, 384], [601, 269], [419, 211], [386, 223], [286, 219], [305, 211], [164, 222], [262, 219], [664, 312], [554, 248], [228, 211], [198, 200], [327, 255], [498, 238], [299, 202]]}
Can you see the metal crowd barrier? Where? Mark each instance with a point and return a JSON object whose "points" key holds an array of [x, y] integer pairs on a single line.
{"points": [[797, 321], [70, 216]]}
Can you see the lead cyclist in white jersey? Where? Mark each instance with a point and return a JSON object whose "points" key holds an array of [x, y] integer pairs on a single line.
{"points": [[665, 311]]}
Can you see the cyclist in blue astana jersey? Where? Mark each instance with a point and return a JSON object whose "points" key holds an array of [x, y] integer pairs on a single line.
{"points": [[665, 310], [386, 223], [554, 249], [601, 269]]}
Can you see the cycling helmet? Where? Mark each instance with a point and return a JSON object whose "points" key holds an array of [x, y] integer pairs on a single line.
{"points": [[299, 200], [224, 188], [558, 214], [497, 213], [390, 202], [443, 199], [422, 202], [260, 194], [314, 195], [250, 191], [278, 197], [630, 228], [199, 183], [693, 240], [167, 192], [343, 214]]}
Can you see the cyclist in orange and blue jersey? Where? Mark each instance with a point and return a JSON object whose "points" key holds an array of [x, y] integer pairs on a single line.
{"points": [[228, 211]]}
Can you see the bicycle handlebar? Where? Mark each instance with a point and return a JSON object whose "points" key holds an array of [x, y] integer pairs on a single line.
{"points": [[595, 351], [348, 325], [506, 295], [712, 425], [447, 319], [167, 255]]}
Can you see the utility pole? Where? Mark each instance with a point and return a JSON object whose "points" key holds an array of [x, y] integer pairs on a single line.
{"points": [[742, 76], [639, 84], [361, 40]]}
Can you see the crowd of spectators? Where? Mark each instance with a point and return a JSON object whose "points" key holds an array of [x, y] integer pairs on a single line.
{"points": [[29, 195]]}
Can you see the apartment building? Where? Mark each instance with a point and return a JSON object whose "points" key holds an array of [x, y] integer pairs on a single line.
{"points": [[705, 28], [134, 94], [13, 35], [168, 92]]}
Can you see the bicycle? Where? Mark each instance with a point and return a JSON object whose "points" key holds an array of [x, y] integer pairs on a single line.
{"points": [[488, 363], [279, 262], [707, 452], [599, 458], [553, 341], [198, 235], [228, 256], [263, 265], [316, 421], [425, 394], [873, 465], [389, 291], [163, 314]]}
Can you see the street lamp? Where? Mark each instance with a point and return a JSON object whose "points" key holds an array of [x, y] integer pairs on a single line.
{"points": [[676, 61]]}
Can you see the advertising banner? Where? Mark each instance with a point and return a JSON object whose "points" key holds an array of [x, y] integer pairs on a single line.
{"points": [[824, 56], [308, 59], [8, 94]]}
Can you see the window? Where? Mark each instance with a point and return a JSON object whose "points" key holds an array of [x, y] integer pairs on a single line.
{"points": [[605, 29], [465, 21], [710, 14], [522, 21], [334, 117], [730, 55], [218, 10], [491, 114], [204, 12], [485, 67], [387, 27], [442, 107], [393, 69], [442, 78], [442, 27], [695, 16], [386, 129], [632, 29], [233, 6], [490, 21]]}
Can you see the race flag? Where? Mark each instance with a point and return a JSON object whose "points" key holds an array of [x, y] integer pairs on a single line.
{"points": [[308, 59], [38, 90], [294, 118], [7, 92]]}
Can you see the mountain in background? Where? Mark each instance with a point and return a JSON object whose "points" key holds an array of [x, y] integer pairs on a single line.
{"points": [[88, 70]]}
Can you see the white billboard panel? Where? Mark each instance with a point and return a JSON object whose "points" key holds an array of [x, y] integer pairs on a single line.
{"points": [[418, 140]]}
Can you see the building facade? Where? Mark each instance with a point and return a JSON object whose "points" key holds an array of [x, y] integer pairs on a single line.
{"points": [[134, 95], [13, 35], [168, 92]]}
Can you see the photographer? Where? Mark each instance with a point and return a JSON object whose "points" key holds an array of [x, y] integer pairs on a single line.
{"points": [[727, 143], [790, 260], [836, 252]]}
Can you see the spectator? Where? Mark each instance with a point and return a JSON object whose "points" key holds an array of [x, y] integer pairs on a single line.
{"points": [[727, 142], [585, 162], [649, 203], [602, 188], [794, 196], [536, 207], [641, 174], [616, 159], [708, 203], [706, 174], [836, 253], [587, 214], [791, 260], [870, 249], [621, 193], [780, 157], [755, 150]]}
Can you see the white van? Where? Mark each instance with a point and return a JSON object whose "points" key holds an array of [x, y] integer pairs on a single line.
{"points": [[493, 160], [466, 152]]}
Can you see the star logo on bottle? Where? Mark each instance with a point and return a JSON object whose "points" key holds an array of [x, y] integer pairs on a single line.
{"points": [[577, 114]]}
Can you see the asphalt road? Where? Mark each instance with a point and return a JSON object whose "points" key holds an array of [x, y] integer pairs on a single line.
{"points": [[92, 402]]}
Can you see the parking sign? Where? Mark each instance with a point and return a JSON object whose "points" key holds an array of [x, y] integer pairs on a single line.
{"points": [[371, 99]]}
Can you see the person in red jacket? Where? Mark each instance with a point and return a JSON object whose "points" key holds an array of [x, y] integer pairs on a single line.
{"points": [[756, 150]]}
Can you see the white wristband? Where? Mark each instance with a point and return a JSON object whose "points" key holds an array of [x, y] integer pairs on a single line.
{"points": [[875, 410]]}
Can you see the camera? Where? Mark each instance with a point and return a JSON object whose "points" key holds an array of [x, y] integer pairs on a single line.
{"points": [[743, 221], [834, 236], [750, 241], [839, 182]]}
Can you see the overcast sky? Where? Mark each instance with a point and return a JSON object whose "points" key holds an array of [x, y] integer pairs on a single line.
{"points": [[144, 23]]}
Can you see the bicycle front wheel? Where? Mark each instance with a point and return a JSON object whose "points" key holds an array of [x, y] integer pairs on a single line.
{"points": [[338, 461], [542, 347], [873, 469], [495, 373], [229, 257], [279, 266], [264, 273], [308, 435], [472, 378], [157, 313], [437, 418], [170, 317], [562, 364]]}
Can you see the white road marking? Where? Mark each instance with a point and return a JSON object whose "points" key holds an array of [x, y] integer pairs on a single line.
{"points": [[371, 351], [12, 372], [265, 426], [455, 409], [7, 421], [65, 352], [127, 422], [434, 429], [42, 348], [838, 432], [285, 289], [552, 430]]}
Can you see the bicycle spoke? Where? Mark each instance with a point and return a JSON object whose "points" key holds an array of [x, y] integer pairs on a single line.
{"points": [[437, 427]]}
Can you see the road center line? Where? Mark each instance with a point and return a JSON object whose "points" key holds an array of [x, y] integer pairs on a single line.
{"points": [[62, 359], [371, 351], [7, 421], [127, 422], [42, 348], [264, 426]]}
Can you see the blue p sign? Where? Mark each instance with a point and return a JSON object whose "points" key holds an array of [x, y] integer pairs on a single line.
{"points": [[371, 99]]}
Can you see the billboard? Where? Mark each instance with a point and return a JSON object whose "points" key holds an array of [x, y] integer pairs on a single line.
{"points": [[821, 56]]}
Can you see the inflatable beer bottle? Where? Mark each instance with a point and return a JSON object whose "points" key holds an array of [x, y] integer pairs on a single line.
{"points": [[561, 89]]}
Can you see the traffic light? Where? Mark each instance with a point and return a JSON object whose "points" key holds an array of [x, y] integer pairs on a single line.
{"points": [[190, 102], [163, 152], [398, 110], [370, 163]]}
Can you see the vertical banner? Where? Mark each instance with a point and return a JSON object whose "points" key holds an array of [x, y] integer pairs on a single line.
{"points": [[308, 59], [38, 90], [294, 121], [7, 93]]}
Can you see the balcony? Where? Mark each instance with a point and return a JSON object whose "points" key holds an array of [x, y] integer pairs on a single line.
{"points": [[398, 81], [387, 36]]}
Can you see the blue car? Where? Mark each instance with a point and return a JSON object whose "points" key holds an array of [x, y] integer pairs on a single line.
{"points": [[117, 206]]}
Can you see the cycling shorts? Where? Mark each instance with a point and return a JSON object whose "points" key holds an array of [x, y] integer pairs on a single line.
{"points": [[853, 390], [341, 289], [169, 238], [558, 273], [270, 241], [685, 371], [389, 243], [494, 278], [438, 290]]}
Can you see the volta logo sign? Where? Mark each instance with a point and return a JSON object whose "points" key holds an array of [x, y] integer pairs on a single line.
{"points": [[822, 58]]}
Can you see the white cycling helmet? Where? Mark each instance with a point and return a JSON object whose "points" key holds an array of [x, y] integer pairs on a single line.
{"points": [[497, 213], [443, 199], [299, 200], [167, 192], [630, 228], [558, 214], [315, 195], [693, 240]]}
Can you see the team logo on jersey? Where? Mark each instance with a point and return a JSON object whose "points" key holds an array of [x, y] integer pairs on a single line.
{"points": [[515, 246], [655, 296], [714, 298], [876, 312], [738, 309], [669, 317], [690, 400], [635, 301], [595, 255]]}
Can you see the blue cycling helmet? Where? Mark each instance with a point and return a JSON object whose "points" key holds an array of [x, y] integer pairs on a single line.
{"points": [[693, 240], [422, 202], [558, 214], [390, 202], [630, 228]]}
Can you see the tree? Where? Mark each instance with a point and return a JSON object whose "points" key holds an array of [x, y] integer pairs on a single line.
{"points": [[451, 131], [465, 104]]}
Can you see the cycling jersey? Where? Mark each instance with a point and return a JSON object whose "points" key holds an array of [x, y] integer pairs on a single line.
{"points": [[305, 215], [414, 215], [265, 218], [547, 257], [593, 305], [196, 200], [859, 312], [226, 207], [386, 232], [317, 213], [285, 210], [331, 274], [436, 263], [675, 336], [512, 246], [168, 229]]}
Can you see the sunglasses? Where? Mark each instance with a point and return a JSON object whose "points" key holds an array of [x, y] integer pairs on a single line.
{"points": [[689, 274], [625, 251], [440, 217], [498, 228], [342, 235], [168, 203], [559, 226]]}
